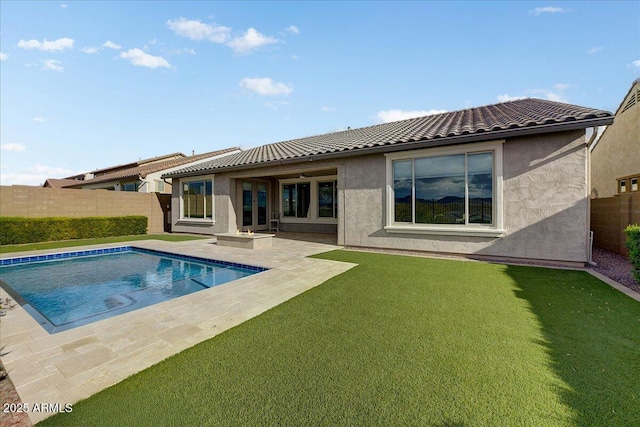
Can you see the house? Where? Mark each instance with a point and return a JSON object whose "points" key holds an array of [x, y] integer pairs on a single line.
{"points": [[143, 176], [615, 156], [503, 180]]}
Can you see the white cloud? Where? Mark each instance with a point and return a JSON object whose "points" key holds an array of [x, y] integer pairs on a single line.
{"points": [[295, 57], [64, 6], [197, 30], [90, 50], [395, 115], [185, 50], [506, 97], [635, 64], [38, 119], [548, 9], [250, 41], [46, 45], [275, 104], [561, 86], [52, 65], [555, 96], [594, 49], [142, 59], [3, 56], [265, 86], [326, 109], [111, 45], [13, 147], [292, 29]]}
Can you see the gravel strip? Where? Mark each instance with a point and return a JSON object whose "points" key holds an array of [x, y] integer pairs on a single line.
{"points": [[616, 267]]}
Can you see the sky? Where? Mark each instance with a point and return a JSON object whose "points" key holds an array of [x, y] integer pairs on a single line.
{"points": [[87, 84]]}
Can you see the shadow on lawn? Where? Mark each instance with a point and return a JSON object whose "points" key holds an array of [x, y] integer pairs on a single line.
{"points": [[592, 336]]}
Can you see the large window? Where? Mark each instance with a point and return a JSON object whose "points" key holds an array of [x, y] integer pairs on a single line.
{"points": [[129, 186], [309, 199], [327, 200], [197, 199], [444, 190], [296, 198]]}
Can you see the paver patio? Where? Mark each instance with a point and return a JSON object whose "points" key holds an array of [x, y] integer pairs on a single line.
{"points": [[72, 365]]}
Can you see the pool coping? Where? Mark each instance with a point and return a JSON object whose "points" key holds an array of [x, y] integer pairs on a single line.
{"points": [[71, 365], [50, 326]]}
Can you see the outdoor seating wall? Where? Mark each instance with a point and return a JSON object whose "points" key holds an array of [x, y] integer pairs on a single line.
{"points": [[39, 202]]}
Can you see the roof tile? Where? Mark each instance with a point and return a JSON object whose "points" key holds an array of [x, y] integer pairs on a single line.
{"points": [[519, 114]]}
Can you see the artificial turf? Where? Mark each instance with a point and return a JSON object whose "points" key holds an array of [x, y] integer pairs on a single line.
{"points": [[97, 241], [404, 341]]}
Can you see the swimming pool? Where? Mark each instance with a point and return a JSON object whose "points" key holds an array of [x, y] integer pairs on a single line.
{"points": [[65, 290]]}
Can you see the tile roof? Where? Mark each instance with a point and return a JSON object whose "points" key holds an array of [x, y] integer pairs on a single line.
{"points": [[59, 183], [147, 168], [490, 121]]}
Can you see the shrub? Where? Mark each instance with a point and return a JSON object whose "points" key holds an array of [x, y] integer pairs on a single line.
{"points": [[633, 244], [15, 230]]}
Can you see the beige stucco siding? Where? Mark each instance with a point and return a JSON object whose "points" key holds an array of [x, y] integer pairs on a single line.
{"points": [[545, 206], [617, 153], [544, 197]]}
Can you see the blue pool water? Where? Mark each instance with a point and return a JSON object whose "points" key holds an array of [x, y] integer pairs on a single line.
{"points": [[62, 291]]}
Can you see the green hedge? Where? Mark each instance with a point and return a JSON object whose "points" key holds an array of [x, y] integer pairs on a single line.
{"points": [[633, 244], [15, 230]]}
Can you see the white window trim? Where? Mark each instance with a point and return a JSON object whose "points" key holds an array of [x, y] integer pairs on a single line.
{"points": [[495, 230], [313, 216], [207, 221]]}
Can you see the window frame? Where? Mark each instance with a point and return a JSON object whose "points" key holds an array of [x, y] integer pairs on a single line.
{"points": [[204, 220], [628, 184], [468, 229], [313, 215], [136, 185]]}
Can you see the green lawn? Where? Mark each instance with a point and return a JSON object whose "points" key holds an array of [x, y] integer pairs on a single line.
{"points": [[82, 242], [404, 341]]}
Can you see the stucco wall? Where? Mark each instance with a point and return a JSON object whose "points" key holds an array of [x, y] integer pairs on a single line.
{"points": [[545, 204], [617, 153], [227, 198], [39, 202]]}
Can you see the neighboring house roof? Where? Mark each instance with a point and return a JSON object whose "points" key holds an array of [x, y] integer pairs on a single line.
{"points": [[146, 167], [521, 117], [59, 183], [630, 99]]}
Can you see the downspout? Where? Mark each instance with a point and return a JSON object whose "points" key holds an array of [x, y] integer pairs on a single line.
{"points": [[589, 232]]}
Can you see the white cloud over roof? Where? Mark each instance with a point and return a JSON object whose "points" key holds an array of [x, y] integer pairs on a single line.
{"points": [[265, 86], [387, 116], [505, 97]]}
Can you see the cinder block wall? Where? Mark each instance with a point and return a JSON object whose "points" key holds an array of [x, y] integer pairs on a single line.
{"points": [[39, 202], [609, 217]]}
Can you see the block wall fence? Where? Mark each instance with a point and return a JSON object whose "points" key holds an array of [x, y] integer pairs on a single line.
{"points": [[38, 202], [609, 217]]}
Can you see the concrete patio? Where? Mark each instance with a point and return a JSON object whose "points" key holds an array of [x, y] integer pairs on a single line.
{"points": [[72, 365]]}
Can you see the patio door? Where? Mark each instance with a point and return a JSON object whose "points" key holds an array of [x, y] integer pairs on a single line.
{"points": [[255, 197]]}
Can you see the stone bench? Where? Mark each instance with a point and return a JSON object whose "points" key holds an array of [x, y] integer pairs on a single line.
{"points": [[244, 240]]}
